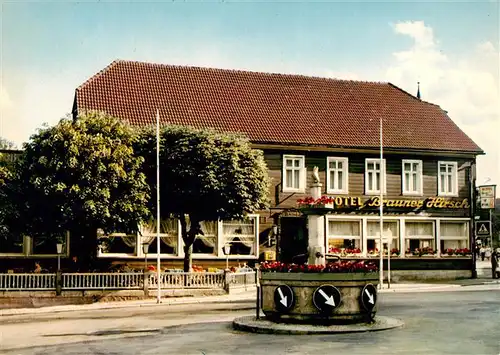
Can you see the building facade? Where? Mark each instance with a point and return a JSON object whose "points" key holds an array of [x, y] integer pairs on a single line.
{"points": [[301, 122]]}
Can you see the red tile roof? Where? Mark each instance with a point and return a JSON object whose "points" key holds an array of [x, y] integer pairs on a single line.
{"points": [[272, 108]]}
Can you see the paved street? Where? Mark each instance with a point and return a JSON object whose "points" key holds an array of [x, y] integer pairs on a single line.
{"points": [[435, 323]]}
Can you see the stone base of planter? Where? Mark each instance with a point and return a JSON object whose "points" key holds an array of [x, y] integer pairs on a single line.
{"points": [[303, 285], [264, 326]]}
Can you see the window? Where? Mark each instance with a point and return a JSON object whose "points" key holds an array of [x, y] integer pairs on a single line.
{"points": [[337, 175], [241, 236], [412, 177], [391, 230], [372, 176], [447, 178], [344, 235], [117, 243], [294, 173], [453, 235], [419, 235], [169, 236], [11, 244], [206, 243], [15, 245]]}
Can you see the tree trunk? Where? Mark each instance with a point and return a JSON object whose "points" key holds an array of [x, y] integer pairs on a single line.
{"points": [[189, 237], [83, 246], [188, 261]]}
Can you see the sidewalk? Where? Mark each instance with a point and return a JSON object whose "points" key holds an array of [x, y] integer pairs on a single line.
{"points": [[250, 296]]}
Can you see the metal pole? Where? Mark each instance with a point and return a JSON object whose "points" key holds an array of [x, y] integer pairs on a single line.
{"points": [[58, 261], [158, 271], [381, 243], [472, 210]]}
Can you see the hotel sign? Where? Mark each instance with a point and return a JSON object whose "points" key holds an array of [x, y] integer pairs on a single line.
{"points": [[429, 203]]}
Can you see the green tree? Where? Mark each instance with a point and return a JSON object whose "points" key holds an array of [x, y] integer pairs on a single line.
{"points": [[81, 175], [205, 176], [6, 144]]}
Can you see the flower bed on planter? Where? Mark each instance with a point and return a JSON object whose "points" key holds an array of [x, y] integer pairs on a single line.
{"points": [[427, 251], [456, 252], [375, 252], [333, 267], [345, 251]]}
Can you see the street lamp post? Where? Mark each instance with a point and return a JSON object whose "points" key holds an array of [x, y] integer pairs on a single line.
{"points": [[227, 251], [59, 247], [145, 248]]}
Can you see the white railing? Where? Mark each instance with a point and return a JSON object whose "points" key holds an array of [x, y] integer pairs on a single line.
{"points": [[242, 278], [125, 281], [171, 280], [101, 281], [27, 282]]}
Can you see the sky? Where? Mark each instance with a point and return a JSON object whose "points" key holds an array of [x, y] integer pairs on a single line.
{"points": [[49, 48]]}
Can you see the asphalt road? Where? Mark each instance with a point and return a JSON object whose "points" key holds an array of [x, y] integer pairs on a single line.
{"points": [[435, 323]]}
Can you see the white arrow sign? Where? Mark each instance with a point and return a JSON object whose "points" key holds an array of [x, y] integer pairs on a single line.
{"points": [[329, 299], [370, 297], [283, 298]]}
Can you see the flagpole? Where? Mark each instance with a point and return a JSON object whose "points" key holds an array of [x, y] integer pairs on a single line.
{"points": [[381, 223], [158, 271]]}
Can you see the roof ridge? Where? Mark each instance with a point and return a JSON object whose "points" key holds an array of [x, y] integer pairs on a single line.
{"points": [[413, 96], [243, 71], [100, 72]]}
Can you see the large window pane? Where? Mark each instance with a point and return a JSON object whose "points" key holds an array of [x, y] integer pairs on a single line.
{"points": [[118, 243], [420, 238], [47, 245], [344, 236], [169, 234], [206, 243], [11, 244], [240, 235]]}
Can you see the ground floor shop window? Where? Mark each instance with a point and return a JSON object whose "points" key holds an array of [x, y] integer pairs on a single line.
{"points": [[169, 236], [419, 238], [47, 245], [11, 244], [206, 243], [240, 236], [118, 243], [391, 231], [454, 238], [344, 237]]}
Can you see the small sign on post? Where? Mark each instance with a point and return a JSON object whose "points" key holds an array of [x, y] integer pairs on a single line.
{"points": [[487, 196], [483, 228]]}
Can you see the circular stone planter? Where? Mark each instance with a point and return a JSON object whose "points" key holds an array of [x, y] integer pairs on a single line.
{"points": [[250, 324], [350, 309]]}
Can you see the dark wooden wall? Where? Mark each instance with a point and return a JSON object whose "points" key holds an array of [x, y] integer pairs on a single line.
{"points": [[357, 175]]}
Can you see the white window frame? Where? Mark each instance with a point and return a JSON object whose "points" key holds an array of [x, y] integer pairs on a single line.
{"points": [[419, 172], [223, 241], [146, 234], [454, 178], [302, 173], [329, 235], [464, 237], [29, 253], [331, 188], [383, 172], [376, 238]]}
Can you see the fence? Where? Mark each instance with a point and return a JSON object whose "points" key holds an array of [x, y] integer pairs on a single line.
{"points": [[103, 281], [125, 281], [27, 282]]}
